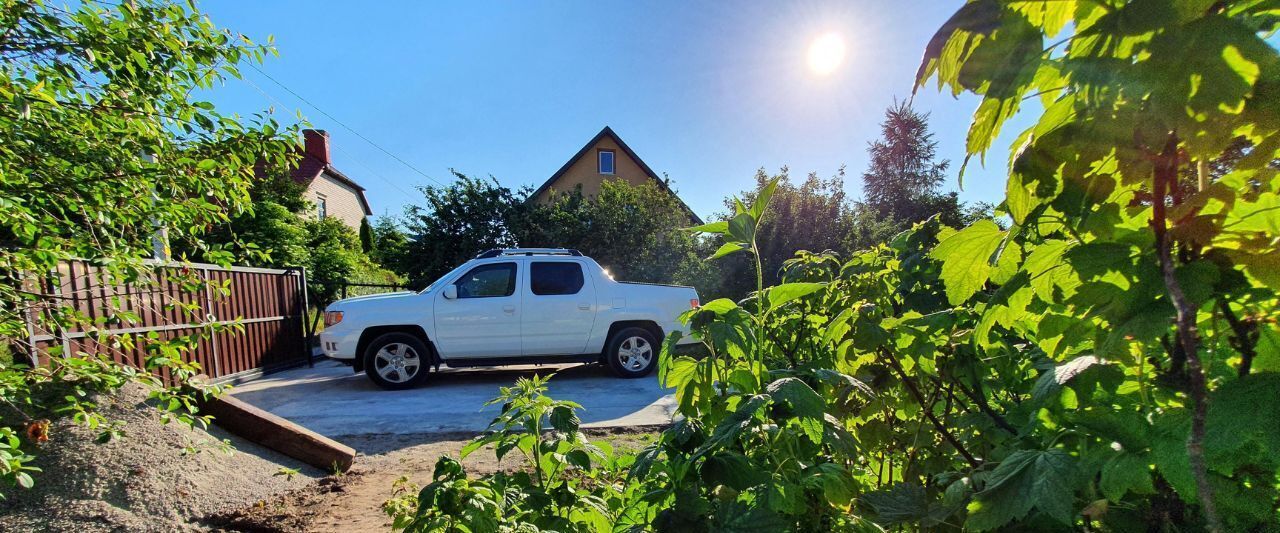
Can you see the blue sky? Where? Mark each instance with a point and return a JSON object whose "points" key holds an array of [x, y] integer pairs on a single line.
{"points": [[704, 92]]}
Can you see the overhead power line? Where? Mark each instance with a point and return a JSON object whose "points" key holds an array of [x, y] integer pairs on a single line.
{"points": [[353, 157], [348, 128]]}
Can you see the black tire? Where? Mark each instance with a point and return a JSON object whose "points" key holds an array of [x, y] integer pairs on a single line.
{"points": [[403, 349], [631, 361]]}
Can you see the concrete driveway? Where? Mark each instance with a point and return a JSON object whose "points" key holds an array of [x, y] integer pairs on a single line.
{"points": [[332, 400]]}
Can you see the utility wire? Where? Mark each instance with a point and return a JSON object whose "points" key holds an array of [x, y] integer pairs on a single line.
{"points": [[357, 160], [340, 123]]}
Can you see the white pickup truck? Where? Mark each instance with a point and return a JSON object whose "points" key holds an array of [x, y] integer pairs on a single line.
{"points": [[514, 306]]}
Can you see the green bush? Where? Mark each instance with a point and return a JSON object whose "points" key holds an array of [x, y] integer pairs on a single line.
{"points": [[1109, 361], [334, 259], [634, 231], [572, 486], [101, 145]]}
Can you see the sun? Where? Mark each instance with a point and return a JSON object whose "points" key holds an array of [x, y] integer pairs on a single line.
{"points": [[826, 53]]}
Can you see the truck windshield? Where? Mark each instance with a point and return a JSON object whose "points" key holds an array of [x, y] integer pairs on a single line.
{"points": [[448, 275]]}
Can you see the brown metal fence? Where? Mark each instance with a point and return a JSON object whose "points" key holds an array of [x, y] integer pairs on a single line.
{"points": [[269, 303]]}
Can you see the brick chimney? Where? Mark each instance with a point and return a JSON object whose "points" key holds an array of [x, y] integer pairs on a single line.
{"points": [[317, 144]]}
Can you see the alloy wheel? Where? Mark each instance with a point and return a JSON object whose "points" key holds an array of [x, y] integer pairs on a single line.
{"points": [[397, 362], [635, 353]]}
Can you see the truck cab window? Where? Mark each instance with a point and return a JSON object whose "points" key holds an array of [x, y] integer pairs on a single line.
{"points": [[555, 278], [488, 281]]}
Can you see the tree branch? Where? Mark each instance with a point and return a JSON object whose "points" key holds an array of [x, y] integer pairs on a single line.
{"points": [[915, 392], [981, 401], [1165, 176], [1244, 337]]}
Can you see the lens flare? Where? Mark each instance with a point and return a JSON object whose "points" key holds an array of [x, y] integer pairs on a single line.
{"points": [[826, 53]]}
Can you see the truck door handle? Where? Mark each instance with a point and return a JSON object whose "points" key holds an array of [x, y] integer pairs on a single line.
{"points": [[584, 306], [508, 309]]}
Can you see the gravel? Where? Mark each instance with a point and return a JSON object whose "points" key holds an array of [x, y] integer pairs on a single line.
{"points": [[147, 481]]}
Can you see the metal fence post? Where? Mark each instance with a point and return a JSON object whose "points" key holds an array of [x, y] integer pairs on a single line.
{"points": [[307, 330], [210, 318], [28, 317]]}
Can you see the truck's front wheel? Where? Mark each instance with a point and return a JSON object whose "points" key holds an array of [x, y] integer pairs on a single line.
{"points": [[632, 352], [397, 361]]}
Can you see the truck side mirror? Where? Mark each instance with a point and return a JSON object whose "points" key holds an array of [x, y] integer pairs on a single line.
{"points": [[450, 291]]}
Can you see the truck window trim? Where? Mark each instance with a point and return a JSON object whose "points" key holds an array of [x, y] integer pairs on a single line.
{"points": [[511, 289], [533, 287]]}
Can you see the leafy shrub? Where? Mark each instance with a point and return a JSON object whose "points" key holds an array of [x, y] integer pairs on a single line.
{"points": [[890, 390], [632, 230], [101, 144], [334, 258], [575, 485], [1110, 360]]}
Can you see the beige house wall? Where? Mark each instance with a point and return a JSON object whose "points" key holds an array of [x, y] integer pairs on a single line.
{"points": [[584, 171], [341, 200]]}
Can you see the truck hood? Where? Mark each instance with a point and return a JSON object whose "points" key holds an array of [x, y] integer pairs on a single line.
{"points": [[361, 300]]}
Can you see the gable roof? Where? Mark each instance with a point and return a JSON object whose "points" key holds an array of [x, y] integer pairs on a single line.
{"points": [[310, 167], [607, 131]]}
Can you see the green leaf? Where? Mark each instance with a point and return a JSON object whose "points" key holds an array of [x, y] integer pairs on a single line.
{"points": [[844, 381], [1027, 479], [1268, 359], [1242, 426], [719, 306], [903, 503], [1169, 449], [739, 517], [447, 469], [729, 428], [966, 259], [835, 481], [978, 17], [1198, 279], [726, 249], [731, 469], [1126, 472], [719, 227], [1261, 215], [743, 227], [578, 458], [868, 334], [807, 405], [476, 444], [786, 292], [1007, 263], [682, 370], [1085, 366], [1046, 267], [564, 419], [762, 199]]}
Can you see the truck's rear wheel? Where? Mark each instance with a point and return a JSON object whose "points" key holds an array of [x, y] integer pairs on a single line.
{"points": [[632, 352], [397, 361]]}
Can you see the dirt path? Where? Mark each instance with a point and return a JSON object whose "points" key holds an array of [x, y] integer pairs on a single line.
{"points": [[353, 502]]}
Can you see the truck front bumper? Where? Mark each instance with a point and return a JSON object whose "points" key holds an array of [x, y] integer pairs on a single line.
{"points": [[337, 343]]}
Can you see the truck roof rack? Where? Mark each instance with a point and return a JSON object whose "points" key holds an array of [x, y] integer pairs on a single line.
{"points": [[528, 251]]}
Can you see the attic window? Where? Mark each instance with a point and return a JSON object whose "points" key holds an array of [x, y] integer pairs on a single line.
{"points": [[322, 208], [604, 160]]}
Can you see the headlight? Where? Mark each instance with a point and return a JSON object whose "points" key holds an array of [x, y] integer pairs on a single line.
{"points": [[332, 317]]}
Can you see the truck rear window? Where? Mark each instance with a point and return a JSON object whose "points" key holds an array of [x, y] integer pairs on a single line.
{"points": [[555, 277]]}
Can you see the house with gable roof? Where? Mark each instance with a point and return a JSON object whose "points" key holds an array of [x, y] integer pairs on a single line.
{"points": [[331, 193], [604, 157]]}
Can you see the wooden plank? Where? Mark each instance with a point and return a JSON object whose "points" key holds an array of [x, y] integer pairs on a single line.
{"points": [[279, 434]]}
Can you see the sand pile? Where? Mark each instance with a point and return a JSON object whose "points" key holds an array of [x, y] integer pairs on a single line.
{"points": [[150, 480]]}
